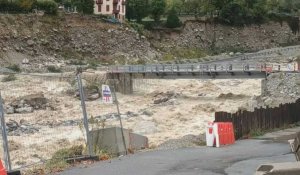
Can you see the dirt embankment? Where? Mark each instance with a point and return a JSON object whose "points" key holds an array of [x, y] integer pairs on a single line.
{"points": [[39, 41], [222, 38]]}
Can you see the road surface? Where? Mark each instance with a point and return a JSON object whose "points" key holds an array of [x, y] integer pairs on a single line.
{"points": [[242, 158]]}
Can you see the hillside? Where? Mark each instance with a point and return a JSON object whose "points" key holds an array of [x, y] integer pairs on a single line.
{"points": [[71, 39]]}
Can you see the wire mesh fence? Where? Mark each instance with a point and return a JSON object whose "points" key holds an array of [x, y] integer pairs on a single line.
{"points": [[43, 115]]}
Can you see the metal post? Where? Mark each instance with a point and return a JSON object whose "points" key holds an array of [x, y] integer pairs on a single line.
{"points": [[85, 119], [4, 137], [119, 115]]}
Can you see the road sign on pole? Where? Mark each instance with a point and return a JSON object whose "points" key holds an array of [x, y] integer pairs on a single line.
{"points": [[106, 95]]}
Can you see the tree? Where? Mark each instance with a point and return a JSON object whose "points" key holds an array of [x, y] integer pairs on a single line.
{"points": [[137, 9], [173, 20], [88, 6], [157, 9]]}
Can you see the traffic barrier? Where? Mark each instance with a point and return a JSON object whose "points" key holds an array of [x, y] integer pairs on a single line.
{"points": [[210, 138], [2, 169], [219, 133]]}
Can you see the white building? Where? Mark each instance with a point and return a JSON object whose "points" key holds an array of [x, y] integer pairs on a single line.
{"points": [[115, 8]]}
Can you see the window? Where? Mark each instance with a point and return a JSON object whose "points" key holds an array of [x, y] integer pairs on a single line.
{"points": [[122, 8], [99, 8], [107, 8]]}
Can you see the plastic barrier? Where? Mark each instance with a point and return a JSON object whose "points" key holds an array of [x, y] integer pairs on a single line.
{"points": [[223, 134], [2, 169], [210, 138]]}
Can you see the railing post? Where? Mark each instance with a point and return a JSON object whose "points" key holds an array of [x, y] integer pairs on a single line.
{"points": [[85, 118]]}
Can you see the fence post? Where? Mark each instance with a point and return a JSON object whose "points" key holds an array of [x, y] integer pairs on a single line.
{"points": [[85, 119], [119, 114], [4, 137]]}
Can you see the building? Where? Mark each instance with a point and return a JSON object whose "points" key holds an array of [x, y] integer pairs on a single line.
{"points": [[114, 8]]}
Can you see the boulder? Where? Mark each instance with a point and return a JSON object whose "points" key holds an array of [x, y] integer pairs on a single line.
{"points": [[23, 110]]}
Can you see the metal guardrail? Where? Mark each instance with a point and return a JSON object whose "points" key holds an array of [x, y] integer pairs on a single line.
{"points": [[204, 68]]}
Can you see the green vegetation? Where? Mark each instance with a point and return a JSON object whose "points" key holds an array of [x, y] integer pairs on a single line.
{"points": [[137, 9], [230, 12], [24, 6], [173, 20], [157, 9], [14, 67], [50, 7], [257, 133], [9, 78], [59, 162], [54, 69]]}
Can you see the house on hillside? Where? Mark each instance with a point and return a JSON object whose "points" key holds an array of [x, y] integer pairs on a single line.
{"points": [[114, 8]]}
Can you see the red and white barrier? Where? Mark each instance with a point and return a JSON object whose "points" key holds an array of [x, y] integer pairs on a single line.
{"points": [[219, 133], [210, 137]]}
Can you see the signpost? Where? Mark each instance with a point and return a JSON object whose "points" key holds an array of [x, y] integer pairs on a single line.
{"points": [[108, 98], [106, 95]]}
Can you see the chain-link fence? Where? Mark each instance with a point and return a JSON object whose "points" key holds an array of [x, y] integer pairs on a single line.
{"points": [[43, 114]]}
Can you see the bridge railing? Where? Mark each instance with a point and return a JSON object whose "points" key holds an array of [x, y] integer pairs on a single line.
{"points": [[205, 68], [177, 68]]}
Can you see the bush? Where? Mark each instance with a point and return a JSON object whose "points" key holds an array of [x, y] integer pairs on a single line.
{"points": [[137, 27], [173, 20], [9, 78], [50, 7], [12, 7], [14, 67], [53, 69], [58, 161]]}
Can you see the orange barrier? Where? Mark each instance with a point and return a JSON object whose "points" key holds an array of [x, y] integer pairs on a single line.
{"points": [[2, 169]]}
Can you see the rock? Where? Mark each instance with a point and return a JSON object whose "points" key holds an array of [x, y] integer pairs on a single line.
{"points": [[160, 100], [148, 113], [24, 110], [30, 42], [12, 125], [93, 97], [10, 110], [16, 129], [27, 104]]}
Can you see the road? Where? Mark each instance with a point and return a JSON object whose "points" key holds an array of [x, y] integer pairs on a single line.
{"points": [[241, 158]]}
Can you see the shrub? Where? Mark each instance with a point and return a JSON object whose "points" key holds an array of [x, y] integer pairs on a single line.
{"points": [[173, 20], [58, 161], [50, 7], [14, 67], [9, 78], [54, 69], [12, 7], [137, 27]]}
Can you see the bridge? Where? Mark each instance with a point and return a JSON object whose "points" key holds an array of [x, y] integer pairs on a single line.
{"points": [[125, 74]]}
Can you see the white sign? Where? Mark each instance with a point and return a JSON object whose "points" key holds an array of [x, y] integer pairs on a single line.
{"points": [[106, 95]]}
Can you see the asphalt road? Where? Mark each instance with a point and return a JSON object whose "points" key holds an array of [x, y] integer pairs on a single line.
{"points": [[242, 158]]}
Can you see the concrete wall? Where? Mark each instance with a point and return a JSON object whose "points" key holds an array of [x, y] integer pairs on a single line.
{"points": [[110, 139]]}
